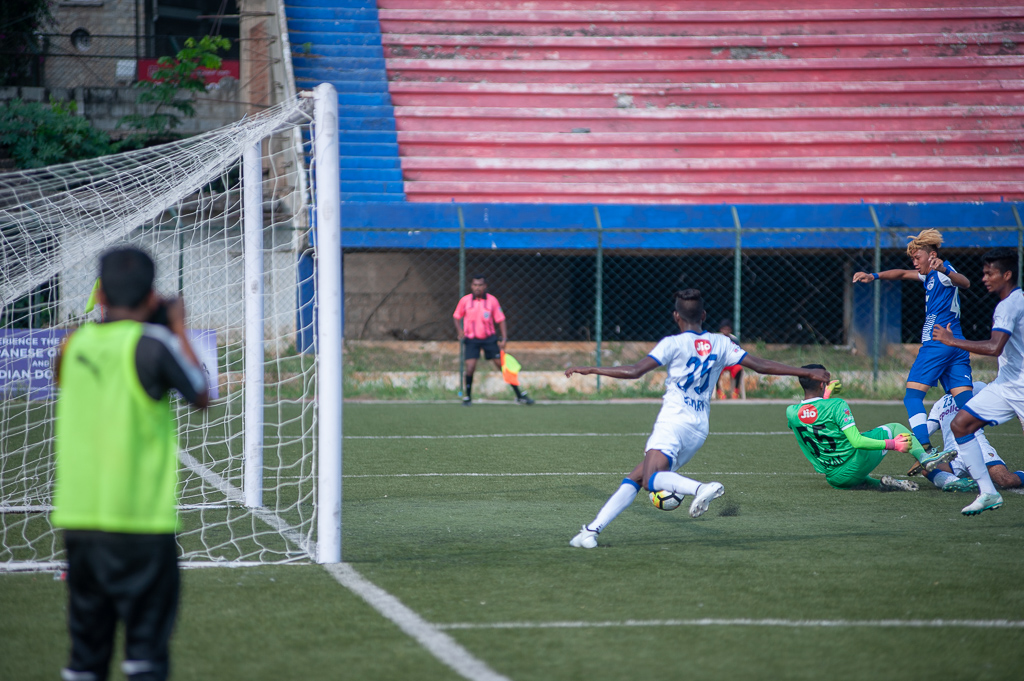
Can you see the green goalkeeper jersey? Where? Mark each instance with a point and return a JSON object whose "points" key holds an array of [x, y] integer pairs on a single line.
{"points": [[818, 425]]}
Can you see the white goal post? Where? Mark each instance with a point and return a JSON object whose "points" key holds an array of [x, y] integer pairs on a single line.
{"points": [[240, 221]]}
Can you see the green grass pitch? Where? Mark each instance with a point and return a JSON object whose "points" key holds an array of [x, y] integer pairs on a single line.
{"points": [[473, 532]]}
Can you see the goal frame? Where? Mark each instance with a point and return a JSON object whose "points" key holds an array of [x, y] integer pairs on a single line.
{"points": [[321, 205]]}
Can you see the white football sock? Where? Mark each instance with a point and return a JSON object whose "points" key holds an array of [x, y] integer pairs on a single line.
{"points": [[940, 478], [673, 482], [969, 450], [615, 505]]}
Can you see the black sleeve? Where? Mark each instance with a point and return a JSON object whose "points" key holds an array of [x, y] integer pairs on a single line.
{"points": [[162, 367]]}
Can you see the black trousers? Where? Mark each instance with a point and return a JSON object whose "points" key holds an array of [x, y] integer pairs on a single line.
{"points": [[131, 577]]}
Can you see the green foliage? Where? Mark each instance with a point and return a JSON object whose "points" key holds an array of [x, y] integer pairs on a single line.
{"points": [[20, 22], [175, 83], [36, 134]]}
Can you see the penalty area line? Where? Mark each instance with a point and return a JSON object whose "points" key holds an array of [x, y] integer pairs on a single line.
{"points": [[784, 623]]}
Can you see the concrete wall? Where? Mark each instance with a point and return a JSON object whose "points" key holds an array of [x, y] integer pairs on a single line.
{"points": [[96, 63], [404, 296]]}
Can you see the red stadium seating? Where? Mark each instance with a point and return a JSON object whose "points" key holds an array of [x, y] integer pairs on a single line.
{"points": [[701, 101]]}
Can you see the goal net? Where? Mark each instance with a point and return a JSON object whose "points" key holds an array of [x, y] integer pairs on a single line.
{"points": [[228, 217]]}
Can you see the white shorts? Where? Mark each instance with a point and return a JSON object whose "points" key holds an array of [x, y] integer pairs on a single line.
{"points": [[987, 453], [678, 441], [995, 405]]}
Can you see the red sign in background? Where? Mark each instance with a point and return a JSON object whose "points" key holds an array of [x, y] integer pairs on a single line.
{"points": [[228, 68]]}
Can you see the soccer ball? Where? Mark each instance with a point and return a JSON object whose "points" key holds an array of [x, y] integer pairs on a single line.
{"points": [[665, 500]]}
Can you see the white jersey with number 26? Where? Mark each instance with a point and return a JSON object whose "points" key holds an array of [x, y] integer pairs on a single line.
{"points": [[694, 362]]}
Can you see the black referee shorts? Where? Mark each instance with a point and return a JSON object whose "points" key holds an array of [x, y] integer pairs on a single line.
{"points": [[131, 577], [489, 345]]}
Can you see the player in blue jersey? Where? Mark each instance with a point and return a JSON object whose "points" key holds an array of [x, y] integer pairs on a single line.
{"points": [[935, 363]]}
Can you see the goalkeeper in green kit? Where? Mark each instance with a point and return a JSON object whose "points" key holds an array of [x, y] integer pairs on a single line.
{"points": [[828, 437]]}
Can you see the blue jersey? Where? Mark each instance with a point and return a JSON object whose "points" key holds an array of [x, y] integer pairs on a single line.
{"points": [[941, 304]]}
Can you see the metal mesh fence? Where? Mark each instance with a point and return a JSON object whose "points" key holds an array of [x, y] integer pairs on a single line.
{"points": [[589, 295], [69, 61], [81, 59], [792, 297]]}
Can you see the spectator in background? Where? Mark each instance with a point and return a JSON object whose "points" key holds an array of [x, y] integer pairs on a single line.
{"points": [[731, 380], [475, 317], [116, 492]]}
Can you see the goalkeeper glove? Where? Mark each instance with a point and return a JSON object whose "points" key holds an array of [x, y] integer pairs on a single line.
{"points": [[901, 443], [833, 388]]}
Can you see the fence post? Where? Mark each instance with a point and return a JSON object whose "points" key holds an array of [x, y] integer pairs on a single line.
{"points": [[598, 292], [876, 302], [1020, 245], [462, 292], [737, 275]]}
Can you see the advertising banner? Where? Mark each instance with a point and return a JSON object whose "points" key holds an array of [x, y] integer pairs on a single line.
{"points": [[26, 361]]}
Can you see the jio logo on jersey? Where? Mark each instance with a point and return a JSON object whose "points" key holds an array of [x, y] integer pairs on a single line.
{"points": [[807, 414], [702, 347]]}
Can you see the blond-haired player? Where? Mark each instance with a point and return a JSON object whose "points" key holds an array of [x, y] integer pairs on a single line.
{"points": [[935, 362]]}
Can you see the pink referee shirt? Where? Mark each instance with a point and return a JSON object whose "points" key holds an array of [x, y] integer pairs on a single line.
{"points": [[479, 316]]}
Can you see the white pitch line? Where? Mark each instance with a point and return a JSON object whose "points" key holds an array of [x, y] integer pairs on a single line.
{"points": [[541, 475], [439, 644], [233, 494], [710, 622], [494, 435]]}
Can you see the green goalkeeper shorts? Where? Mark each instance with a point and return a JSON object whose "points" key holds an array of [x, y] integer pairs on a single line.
{"points": [[855, 471]]}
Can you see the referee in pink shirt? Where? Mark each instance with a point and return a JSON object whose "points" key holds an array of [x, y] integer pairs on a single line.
{"points": [[478, 312]]}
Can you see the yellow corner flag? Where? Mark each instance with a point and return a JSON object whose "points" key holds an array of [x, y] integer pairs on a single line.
{"points": [[510, 368], [91, 303]]}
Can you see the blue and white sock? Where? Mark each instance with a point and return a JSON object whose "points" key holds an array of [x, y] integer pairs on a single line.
{"points": [[940, 478], [913, 400], [615, 505], [970, 454], [672, 482]]}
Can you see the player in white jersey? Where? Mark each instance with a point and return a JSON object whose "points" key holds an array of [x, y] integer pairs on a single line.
{"points": [[694, 360], [954, 477], [1004, 397]]}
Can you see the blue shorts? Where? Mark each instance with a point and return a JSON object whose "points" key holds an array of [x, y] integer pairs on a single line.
{"points": [[937, 363]]}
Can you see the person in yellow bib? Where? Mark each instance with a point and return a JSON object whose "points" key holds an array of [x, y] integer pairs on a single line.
{"points": [[116, 486]]}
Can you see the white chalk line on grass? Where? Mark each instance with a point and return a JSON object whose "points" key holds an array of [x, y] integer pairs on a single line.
{"points": [[542, 475], [234, 495], [496, 435], [711, 622], [440, 645]]}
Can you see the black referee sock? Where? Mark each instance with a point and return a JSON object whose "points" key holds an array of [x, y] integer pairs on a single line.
{"points": [[519, 395], [469, 387]]}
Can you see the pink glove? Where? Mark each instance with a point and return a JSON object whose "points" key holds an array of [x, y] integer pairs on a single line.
{"points": [[833, 388], [901, 443]]}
